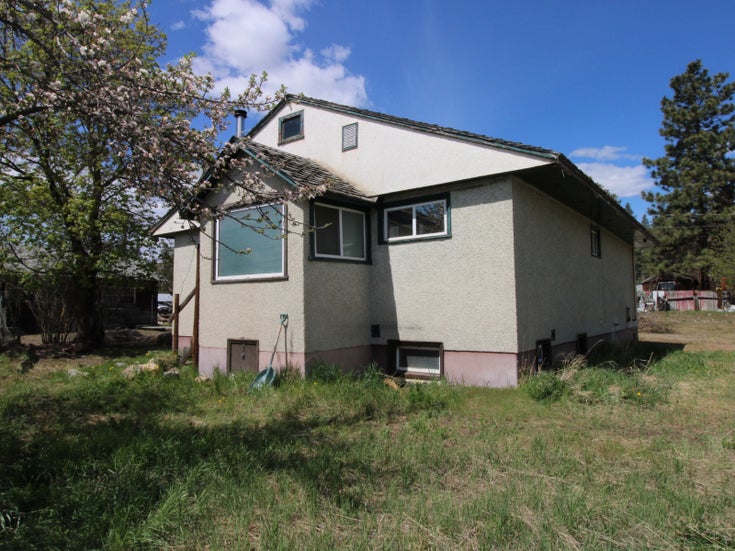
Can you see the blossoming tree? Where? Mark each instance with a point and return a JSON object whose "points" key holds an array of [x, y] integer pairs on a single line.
{"points": [[95, 133]]}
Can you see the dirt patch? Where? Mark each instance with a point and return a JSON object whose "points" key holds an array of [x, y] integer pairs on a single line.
{"points": [[35, 359], [696, 331]]}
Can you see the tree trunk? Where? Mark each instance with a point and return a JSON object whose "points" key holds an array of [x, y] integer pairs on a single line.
{"points": [[84, 294]]}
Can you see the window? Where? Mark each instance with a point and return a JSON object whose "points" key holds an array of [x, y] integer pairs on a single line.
{"points": [[416, 221], [339, 233], [595, 242], [291, 127], [250, 244], [349, 136], [419, 359]]}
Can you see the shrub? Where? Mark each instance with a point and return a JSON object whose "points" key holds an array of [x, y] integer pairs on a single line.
{"points": [[545, 387]]}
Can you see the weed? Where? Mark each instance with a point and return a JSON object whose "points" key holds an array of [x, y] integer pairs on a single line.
{"points": [[324, 372], [545, 387]]}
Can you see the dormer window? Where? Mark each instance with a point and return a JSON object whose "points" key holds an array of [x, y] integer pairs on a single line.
{"points": [[291, 127]]}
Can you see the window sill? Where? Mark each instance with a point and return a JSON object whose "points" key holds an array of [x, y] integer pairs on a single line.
{"points": [[398, 241], [248, 280], [336, 259], [292, 139]]}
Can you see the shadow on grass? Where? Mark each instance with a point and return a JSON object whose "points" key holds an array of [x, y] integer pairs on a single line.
{"points": [[77, 464], [641, 353]]}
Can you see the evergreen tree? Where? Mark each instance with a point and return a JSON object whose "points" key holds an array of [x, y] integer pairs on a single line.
{"points": [[696, 176]]}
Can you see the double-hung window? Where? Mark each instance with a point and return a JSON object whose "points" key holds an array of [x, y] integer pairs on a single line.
{"points": [[339, 233], [416, 221], [250, 244]]}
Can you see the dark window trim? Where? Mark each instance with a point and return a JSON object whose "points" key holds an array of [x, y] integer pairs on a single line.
{"points": [[215, 258], [395, 344], [446, 197], [351, 147], [595, 242], [281, 120], [341, 205]]}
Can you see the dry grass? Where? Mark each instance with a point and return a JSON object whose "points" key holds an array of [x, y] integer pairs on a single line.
{"points": [[154, 463]]}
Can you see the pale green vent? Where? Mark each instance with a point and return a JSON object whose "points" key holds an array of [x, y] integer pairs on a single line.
{"points": [[349, 136]]}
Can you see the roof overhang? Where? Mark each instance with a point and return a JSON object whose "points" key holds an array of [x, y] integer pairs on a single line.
{"points": [[567, 184]]}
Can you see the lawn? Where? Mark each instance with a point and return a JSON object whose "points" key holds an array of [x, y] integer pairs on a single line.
{"points": [[634, 455]]}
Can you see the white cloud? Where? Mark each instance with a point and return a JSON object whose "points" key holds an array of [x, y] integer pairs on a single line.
{"points": [[246, 36], [623, 181], [604, 153], [178, 25]]}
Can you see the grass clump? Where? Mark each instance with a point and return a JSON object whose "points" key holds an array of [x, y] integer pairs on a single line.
{"points": [[545, 387]]}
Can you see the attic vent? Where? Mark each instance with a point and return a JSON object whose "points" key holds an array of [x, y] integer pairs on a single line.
{"points": [[349, 136]]}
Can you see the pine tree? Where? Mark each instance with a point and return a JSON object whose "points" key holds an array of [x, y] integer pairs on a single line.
{"points": [[696, 175]]}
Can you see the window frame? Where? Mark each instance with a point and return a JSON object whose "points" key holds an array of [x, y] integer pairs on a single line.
{"points": [[417, 372], [340, 207], [595, 242], [283, 120], [414, 203], [217, 243]]}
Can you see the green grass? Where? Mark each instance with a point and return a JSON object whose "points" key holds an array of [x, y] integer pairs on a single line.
{"points": [[102, 462]]}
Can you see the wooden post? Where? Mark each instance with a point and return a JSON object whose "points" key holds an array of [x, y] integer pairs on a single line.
{"points": [[195, 331], [175, 320]]}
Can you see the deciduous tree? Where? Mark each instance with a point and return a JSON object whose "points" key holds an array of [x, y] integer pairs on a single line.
{"points": [[94, 133]]}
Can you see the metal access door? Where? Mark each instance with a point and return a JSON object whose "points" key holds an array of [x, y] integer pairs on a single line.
{"points": [[242, 355]]}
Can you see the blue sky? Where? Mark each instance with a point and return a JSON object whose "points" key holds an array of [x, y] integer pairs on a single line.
{"points": [[584, 78]]}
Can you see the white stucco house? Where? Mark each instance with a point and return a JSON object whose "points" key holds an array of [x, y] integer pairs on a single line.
{"points": [[436, 253]]}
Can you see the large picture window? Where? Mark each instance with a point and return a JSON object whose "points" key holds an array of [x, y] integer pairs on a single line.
{"points": [[415, 221], [339, 233], [250, 244]]}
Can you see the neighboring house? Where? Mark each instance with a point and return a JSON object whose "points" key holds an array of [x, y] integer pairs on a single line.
{"points": [[436, 253]]}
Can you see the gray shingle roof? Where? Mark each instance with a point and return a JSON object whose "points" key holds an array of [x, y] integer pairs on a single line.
{"points": [[301, 171]]}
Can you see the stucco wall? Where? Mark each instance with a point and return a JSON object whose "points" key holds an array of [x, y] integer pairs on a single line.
{"points": [[407, 158], [250, 309], [337, 305], [561, 286], [459, 291]]}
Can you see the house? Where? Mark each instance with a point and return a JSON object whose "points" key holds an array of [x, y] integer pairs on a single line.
{"points": [[436, 252]]}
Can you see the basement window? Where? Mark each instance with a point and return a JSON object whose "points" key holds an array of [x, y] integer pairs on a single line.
{"points": [[291, 127], [421, 359]]}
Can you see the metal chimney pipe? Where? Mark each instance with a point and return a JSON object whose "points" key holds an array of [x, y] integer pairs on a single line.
{"points": [[240, 116]]}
